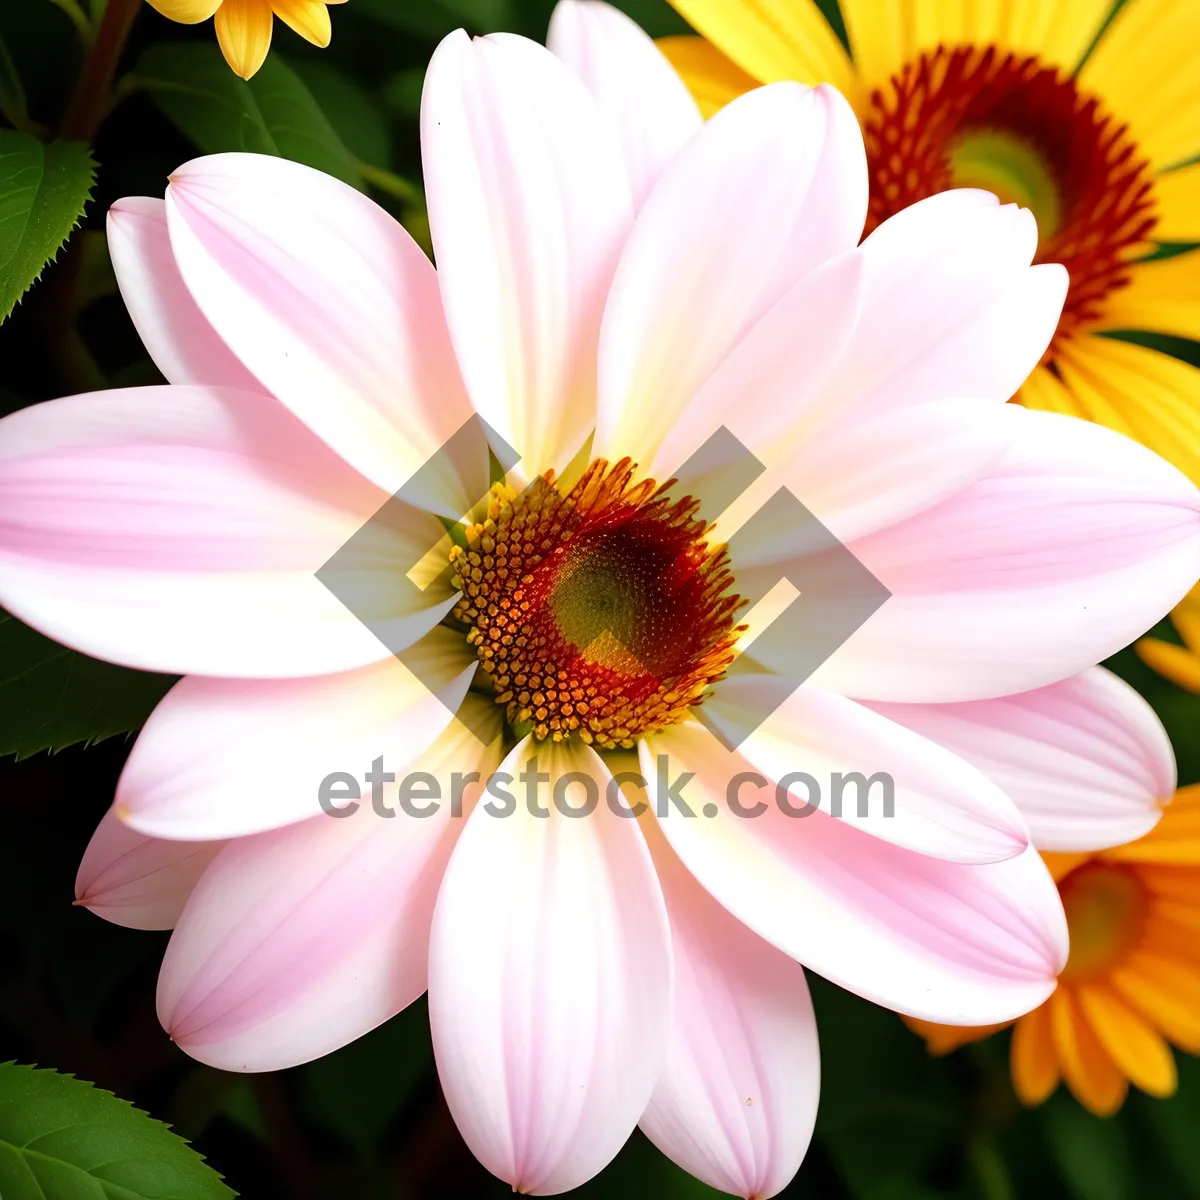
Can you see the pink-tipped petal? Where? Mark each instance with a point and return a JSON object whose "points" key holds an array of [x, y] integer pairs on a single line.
{"points": [[765, 391], [736, 1102], [136, 881], [632, 81], [223, 758], [870, 771], [529, 206], [549, 980], [328, 301], [302, 939], [951, 308], [1086, 760], [177, 336], [1075, 542], [179, 529], [910, 459], [955, 943], [782, 175]]}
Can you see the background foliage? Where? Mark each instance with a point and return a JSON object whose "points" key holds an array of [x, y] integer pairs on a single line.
{"points": [[78, 994]]}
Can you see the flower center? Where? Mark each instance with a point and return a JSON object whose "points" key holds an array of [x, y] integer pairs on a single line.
{"points": [[971, 117], [599, 610], [1106, 911]]}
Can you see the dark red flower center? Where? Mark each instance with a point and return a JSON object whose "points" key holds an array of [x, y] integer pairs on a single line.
{"points": [[971, 117], [599, 610]]}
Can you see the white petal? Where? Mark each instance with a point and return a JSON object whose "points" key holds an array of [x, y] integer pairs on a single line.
{"points": [[1086, 760], [549, 981], [737, 1099], [223, 758], [136, 881], [632, 81], [529, 206], [950, 942]]}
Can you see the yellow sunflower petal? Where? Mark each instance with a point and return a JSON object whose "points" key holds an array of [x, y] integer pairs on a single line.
{"points": [[1163, 296], [774, 39], [885, 34], [308, 18], [1166, 993], [244, 34], [1139, 392], [1089, 1072], [942, 1039], [1057, 33], [186, 12], [1044, 390], [1033, 1061], [1175, 839], [712, 78], [882, 37], [1135, 1047], [1144, 69], [1179, 665], [1177, 197]]}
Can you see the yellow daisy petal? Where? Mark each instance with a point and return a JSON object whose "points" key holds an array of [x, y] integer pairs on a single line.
{"points": [[1144, 69], [1033, 1061], [1185, 616], [1089, 1072], [244, 34], [712, 78], [1139, 392], [1177, 197], [186, 12], [1166, 993], [1162, 296], [1061, 865], [308, 18], [774, 39], [1172, 662], [1134, 1046], [942, 1039], [1175, 839]]}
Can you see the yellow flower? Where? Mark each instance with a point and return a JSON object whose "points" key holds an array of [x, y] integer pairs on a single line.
{"points": [[992, 95], [244, 26], [1180, 664], [1132, 981]]}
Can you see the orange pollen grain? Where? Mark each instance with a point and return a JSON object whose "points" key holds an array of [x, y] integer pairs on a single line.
{"points": [[601, 610], [1103, 186]]}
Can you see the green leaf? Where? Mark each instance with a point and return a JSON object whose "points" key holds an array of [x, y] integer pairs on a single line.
{"points": [[43, 190], [350, 110], [1094, 1154], [273, 113], [433, 19], [63, 1139], [12, 94], [52, 697], [358, 1091]]}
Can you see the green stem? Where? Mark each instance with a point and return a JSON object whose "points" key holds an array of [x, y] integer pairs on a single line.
{"points": [[78, 18], [387, 181], [93, 93]]}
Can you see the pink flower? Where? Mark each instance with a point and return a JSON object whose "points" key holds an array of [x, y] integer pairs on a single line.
{"points": [[608, 264]]}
